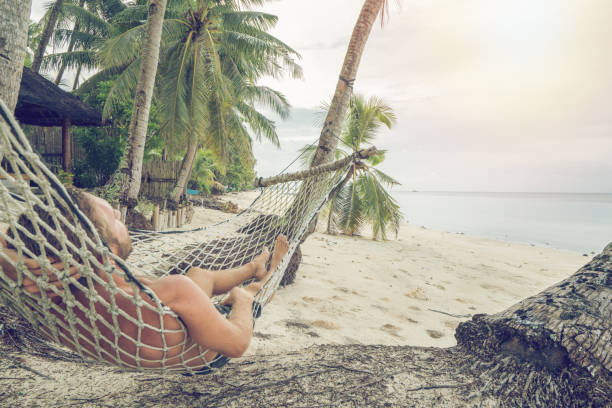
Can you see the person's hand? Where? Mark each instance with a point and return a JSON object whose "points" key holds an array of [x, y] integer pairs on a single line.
{"points": [[10, 255], [237, 295]]}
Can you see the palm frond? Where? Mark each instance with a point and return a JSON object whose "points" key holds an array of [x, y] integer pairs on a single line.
{"points": [[380, 207], [385, 179], [86, 59], [122, 89], [122, 48]]}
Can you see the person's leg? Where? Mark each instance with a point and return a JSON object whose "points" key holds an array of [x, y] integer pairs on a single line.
{"points": [[221, 281], [280, 250]]}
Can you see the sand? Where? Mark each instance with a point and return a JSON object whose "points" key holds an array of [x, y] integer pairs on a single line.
{"points": [[353, 290], [348, 290]]}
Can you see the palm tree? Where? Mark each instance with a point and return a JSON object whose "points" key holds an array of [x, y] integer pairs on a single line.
{"points": [[14, 19], [137, 132], [47, 32], [213, 53], [328, 140], [363, 199], [209, 92], [92, 23]]}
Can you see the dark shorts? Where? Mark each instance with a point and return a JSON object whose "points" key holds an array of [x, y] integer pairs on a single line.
{"points": [[221, 360]]}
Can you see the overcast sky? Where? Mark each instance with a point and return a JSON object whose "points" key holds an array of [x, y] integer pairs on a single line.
{"points": [[490, 95]]}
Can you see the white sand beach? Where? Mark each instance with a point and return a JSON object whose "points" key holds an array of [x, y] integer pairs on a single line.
{"points": [[353, 290], [348, 290]]}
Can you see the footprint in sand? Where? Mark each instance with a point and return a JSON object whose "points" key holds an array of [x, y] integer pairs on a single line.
{"points": [[408, 319], [434, 334], [414, 308], [309, 299], [294, 324], [379, 307], [343, 290], [391, 329], [418, 294], [488, 286], [264, 336], [312, 334], [385, 299], [325, 324], [451, 324]]}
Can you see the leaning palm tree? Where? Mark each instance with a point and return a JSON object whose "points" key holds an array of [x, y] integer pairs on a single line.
{"points": [[328, 141], [363, 199]]}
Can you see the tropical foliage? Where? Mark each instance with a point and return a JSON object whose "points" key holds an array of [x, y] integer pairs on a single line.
{"points": [[363, 199], [213, 53]]}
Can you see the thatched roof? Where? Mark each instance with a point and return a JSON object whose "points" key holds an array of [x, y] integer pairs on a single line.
{"points": [[42, 103]]}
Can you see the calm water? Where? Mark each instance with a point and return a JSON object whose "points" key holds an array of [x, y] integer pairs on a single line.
{"points": [[575, 222]]}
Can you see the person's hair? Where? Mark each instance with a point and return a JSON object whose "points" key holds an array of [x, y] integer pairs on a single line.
{"points": [[82, 200]]}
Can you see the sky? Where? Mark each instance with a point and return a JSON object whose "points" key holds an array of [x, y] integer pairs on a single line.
{"points": [[490, 95]]}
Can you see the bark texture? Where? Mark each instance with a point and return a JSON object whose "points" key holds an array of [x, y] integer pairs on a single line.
{"points": [[137, 132], [46, 35], [332, 126], [14, 17]]}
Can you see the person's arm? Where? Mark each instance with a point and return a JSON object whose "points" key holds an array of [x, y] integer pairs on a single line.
{"points": [[206, 326], [34, 268]]}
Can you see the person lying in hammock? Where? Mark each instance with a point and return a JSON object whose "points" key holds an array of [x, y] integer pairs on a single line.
{"points": [[188, 296]]}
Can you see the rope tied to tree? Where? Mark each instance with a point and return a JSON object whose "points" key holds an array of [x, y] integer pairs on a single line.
{"points": [[42, 224]]}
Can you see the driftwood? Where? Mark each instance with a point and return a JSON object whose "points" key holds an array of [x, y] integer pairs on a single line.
{"points": [[553, 349], [216, 204]]}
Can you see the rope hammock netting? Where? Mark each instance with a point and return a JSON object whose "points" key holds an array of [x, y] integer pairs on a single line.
{"points": [[51, 299]]}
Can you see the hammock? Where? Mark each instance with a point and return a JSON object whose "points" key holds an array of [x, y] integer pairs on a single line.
{"points": [[26, 186]]}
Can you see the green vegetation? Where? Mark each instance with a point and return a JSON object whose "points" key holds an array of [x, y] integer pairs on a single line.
{"points": [[206, 97], [363, 199], [104, 146]]}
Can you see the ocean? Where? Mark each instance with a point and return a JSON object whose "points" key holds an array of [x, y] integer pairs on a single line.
{"points": [[570, 221]]}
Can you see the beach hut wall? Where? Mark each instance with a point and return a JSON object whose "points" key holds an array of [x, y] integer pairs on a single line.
{"points": [[158, 178], [42, 103]]}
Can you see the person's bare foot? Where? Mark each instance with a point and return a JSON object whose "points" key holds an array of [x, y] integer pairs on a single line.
{"points": [[280, 250], [259, 264]]}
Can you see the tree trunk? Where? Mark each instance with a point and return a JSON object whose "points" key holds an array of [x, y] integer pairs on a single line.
{"points": [[137, 133], [184, 172], [46, 35], [75, 28], [332, 126], [66, 146], [75, 84], [14, 18], [62, 69]]}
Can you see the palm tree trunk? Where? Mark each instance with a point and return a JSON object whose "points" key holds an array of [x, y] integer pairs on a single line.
{"points": [[14, 18], [137, 133], [328, 141], [75, 28], [75, 84], [46, 35], [185, 171]]}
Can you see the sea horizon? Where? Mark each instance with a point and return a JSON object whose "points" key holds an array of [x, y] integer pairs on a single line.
{"points": [[574, 221]]}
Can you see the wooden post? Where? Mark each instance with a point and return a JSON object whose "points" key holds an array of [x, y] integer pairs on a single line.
{"points": [[123, 211], [156, 217], [66, 146]]}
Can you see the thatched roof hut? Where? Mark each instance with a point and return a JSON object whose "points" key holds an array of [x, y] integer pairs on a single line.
{"points": [[42, 103]]}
